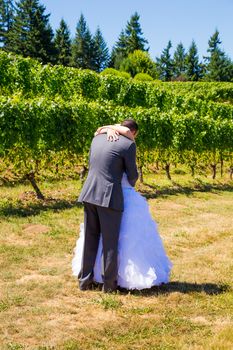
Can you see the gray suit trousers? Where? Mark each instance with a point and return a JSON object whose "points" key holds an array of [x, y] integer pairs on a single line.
{"points": [[107, 222]]}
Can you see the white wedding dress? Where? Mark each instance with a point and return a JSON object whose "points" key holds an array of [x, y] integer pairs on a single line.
{"points": [[142, 260]]}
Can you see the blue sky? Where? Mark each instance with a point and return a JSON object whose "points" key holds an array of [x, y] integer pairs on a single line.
{"points": [[161, 20]]}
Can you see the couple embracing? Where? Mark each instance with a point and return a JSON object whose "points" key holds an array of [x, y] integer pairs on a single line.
{"points": [[119, 245]]}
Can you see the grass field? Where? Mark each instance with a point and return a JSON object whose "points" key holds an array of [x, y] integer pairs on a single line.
{"points": [[41, 307]]}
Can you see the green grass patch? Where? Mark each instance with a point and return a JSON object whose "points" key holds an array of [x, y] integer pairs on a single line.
{"points": [[41, 307]]}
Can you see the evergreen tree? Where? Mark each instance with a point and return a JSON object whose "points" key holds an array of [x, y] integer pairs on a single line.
{"points": [[193, 67], [218, 67], [179, 62], [119, 51], [165, 63], [83, 46], [134, 35], [63, 44], [101, 54], [6, 19], [214, 42], [130, 39], [31, 34]]}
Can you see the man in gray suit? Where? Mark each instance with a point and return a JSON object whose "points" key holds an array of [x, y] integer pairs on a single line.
{"points": [[103, 203]]}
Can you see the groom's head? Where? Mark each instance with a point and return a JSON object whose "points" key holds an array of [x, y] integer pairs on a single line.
{"points": [[132, 125]]}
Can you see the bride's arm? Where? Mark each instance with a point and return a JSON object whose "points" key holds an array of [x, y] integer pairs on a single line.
{"points": [[114, 130]]}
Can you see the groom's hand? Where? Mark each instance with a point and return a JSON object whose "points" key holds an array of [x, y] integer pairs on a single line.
{"points": [[112, 135]]}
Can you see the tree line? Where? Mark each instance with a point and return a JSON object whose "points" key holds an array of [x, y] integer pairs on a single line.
{"points": [[25, 30]]}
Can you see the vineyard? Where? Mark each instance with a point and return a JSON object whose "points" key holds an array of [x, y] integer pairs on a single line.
{"points": [[48, 115]]}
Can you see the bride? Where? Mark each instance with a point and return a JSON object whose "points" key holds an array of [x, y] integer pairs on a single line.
{"points": [[142, 260]]}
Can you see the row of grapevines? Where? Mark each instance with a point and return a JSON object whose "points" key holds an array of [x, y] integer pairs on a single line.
{"points": [[32, 79], [42, 124]]}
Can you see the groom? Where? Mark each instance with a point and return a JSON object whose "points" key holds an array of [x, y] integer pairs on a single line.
{"points": [[103, 203]]}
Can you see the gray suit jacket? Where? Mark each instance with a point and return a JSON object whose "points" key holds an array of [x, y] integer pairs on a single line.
{"points": [[107, 163]]}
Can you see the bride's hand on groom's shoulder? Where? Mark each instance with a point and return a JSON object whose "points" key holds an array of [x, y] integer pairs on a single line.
{"points": [[112, 135]]}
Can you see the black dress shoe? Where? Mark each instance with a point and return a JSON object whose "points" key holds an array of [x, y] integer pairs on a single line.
{"points": [[108, 290], [122, 290], [88, 286], [91, 286]]}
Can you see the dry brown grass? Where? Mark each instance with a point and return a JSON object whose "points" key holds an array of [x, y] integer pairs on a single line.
{"points": [[42, 308]]}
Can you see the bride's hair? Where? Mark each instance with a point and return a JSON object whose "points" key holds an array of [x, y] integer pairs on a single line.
{"points": [[131, 124]]}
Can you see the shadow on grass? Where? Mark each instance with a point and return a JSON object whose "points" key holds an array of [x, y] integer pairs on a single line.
{"points": [[182, 287], [21, 209], [15, 182], [152, 191], [25, 208]]}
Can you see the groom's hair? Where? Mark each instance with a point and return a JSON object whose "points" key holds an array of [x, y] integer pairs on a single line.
{"points": [[131, 124]]}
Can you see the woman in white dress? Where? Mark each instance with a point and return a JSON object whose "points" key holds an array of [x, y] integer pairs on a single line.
{"points": [[142, 260]]}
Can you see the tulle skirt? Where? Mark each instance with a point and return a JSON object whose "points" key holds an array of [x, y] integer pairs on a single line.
{"points": [[142, 260]]}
